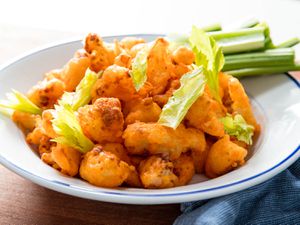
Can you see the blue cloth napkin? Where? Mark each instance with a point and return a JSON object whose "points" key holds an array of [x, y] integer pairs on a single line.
{"points": [[276, 201]]}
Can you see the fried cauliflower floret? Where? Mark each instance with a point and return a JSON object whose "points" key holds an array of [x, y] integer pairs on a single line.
{"points": [[118, 150], [66, 158], [101, 54], [26, 121], [34, 137], [103, 121], [144, 110], [162, 99], [74, 70], [115, 82], [159, 66], [199, 157], [103, 169], [47, 117], [184, 169], [240, 102], [183, 55], [123, 60], [46, 93], [128, 42], [157, 173], [153, 138], [205, 114], [223, 157], [136, 48]]}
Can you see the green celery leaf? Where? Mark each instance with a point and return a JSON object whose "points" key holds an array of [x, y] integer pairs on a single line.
{"points": [[210, 56], [66, 125], [82, 94], [192, 86], [236, 126], [139, 68], [19, 102]]}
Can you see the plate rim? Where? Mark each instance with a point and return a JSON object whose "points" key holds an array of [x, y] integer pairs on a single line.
{"points": [[163, 198]]}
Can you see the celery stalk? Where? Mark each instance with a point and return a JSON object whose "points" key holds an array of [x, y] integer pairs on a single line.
{"points": [[212, 27], [289, 43], [277, 57], [243, 40], [264, 70]]}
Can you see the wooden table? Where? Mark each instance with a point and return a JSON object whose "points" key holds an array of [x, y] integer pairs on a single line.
{"points": [[23, 202]]}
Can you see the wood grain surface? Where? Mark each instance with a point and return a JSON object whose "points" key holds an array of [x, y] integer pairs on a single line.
{"points": [[25, 203]]}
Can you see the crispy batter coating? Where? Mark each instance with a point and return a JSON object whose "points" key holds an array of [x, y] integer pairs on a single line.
{"points": [[47, 118], [159, 66], [66, 158], [25, 121], [102, 55], [162, 99], [123, 60], [103, 121], [143, 110], [199, 157], [135, 49], [153, 138], [103, 169], [118, 150], [115, 82], [74, 70], [223, 157], [183, 55], [205, 114], [184, 169], [157, 173], [128, 42], [240, 102], [46, 93]]}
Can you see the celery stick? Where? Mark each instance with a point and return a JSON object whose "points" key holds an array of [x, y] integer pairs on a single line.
{"points": [[289, 43], [248, 23], [212, 27], [240, 40], [264, 70], [277, 57]]}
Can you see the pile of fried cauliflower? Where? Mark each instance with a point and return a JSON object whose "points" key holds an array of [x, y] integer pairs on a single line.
{"points": [[130, 148]]}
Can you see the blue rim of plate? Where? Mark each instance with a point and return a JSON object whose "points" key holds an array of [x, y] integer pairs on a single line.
{"points": [[16, 168]]}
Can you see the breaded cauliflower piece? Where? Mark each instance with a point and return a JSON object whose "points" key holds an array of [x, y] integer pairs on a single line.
{"points": [[199, 157], [103, 121], [159, 66], [162, 99], [223, 157], [46, 93], [123, 60], [102, 55], [128, 42], [184, 169], [47, 117], [143, 110], [205, 114], [26, 121], [240, 102], [183, 55], [118, 150], [115, 82], [74, 70], [66, 158], [153, 138], [157, 173], [104, 169]]}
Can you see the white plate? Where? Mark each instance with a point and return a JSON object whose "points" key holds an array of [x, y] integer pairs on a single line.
{"points": [[276, 101]]}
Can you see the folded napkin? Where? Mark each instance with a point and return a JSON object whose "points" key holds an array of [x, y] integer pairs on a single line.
{"points": [[276, 201]]}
